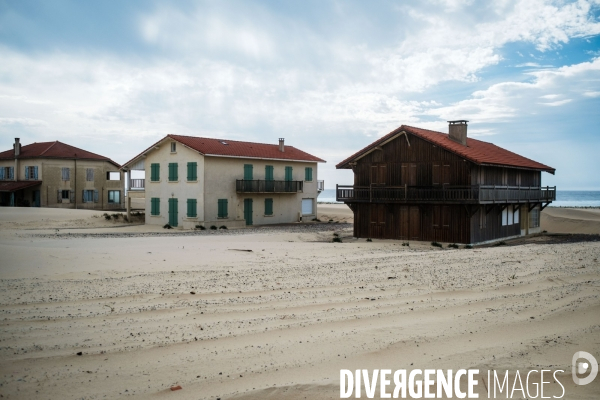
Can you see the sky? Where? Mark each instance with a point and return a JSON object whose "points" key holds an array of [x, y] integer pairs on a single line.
{"points": [[330, 77]]}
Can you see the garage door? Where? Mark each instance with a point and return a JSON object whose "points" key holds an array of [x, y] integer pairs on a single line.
{"points": [[307, 206]]}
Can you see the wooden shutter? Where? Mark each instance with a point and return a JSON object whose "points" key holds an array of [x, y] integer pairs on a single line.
{"points": [[248, 172], [446, 174], [59, 196], [308, 174], [269, 173], [435, 174], [26, 173], [288, 173], [71, 196], [192, 173], [374, 175], [154, 172], [268, 206], [382, 174], [11, 173], [95, 196], [2, 172], [191, 208]]}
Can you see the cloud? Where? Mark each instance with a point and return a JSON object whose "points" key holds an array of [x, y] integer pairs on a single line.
{"points": [[557, 103]]}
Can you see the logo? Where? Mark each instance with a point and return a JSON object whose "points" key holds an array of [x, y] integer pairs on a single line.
{"points": [[581, 367]]}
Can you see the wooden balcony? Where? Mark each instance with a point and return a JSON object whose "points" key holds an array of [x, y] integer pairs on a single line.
{"points": [[137, 184], [258, 186], [476, 194], [320, 186]]}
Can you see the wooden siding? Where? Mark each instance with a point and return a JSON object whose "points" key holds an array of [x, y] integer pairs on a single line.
{"points": [[444, 223], [397, 163], [486, 224]]}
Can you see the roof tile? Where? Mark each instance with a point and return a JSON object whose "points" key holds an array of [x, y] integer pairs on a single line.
{"points": [[476, 151]]}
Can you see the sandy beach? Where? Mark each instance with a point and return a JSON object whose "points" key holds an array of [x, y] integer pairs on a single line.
{"points": [[104, 309]]}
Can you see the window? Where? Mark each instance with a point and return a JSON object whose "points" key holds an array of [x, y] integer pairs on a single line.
{"points": [[534, 218], [66, 174], [248, 172], [7, 173], [173, 147], [64, 194], [192, 171], [154, 172], [191, 208], [269, 173], [31, 173], [516, 215], [114, 197], [173, 172], [113, 176], [268, 206], [89, 174], [222, 208], [508, 216], [308, 174], [288, 173], [90, 196], [307, 206], [154, 206]]}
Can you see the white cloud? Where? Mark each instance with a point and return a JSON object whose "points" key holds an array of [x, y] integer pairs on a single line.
{"points": [[557, 103]]}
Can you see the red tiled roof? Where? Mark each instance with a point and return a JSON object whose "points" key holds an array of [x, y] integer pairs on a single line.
{"points": [[54, 149], [234, 148], [476, 151], [13, 186]]}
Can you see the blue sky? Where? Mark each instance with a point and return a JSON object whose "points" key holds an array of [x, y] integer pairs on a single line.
{"points": [[113, 77]]}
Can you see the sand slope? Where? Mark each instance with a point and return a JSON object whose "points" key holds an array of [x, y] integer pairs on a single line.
{"points": [[571, 220]]}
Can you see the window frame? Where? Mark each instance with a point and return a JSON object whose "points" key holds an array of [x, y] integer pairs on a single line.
{"points": [[118, 195]]}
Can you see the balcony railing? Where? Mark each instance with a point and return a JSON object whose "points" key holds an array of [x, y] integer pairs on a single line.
{"points": [[476, 194], [136, 184], [320, 186], [257, 186]]}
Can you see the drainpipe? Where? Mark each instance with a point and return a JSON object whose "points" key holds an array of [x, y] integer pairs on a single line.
{"points": [[75, 184]]}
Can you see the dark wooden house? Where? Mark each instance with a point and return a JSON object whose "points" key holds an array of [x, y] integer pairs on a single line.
{"points": [[417, 184]]}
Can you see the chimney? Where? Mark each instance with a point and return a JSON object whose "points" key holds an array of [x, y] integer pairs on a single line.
{"points": [[457, 131], [17, 147], [281, 146]]}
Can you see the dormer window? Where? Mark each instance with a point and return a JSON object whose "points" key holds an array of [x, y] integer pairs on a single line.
{"points": [[173, 147], [223, 142]]}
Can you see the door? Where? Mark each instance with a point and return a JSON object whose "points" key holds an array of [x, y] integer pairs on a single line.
{"points": [[173, 212], [403, 223], [415, 223], [36, 198], [248, 211], [377, 223]]}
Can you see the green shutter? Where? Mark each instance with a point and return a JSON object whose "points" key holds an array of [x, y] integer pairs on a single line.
{"points": [[222, 208], [269, 173], [308, 174], [248, 172], [173, 172], [155, 206], [154, 172], [192, 171], [288, 173], [268, 206], [173, 211], [191, 208]]}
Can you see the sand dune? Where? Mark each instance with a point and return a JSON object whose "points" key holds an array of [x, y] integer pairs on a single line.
{"points": [[281, 320], [571, 220]]}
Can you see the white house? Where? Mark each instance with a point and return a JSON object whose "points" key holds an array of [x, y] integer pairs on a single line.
{"points": [[189, 181]]}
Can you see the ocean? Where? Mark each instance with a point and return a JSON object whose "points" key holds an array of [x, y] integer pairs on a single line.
{"points": [[564, 198]]}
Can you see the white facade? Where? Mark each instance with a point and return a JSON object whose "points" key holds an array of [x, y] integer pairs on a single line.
{"points": [[216, 183]]}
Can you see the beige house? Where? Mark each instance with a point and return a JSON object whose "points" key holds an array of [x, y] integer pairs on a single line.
{"points": [[55, 174], [186, 181]]}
